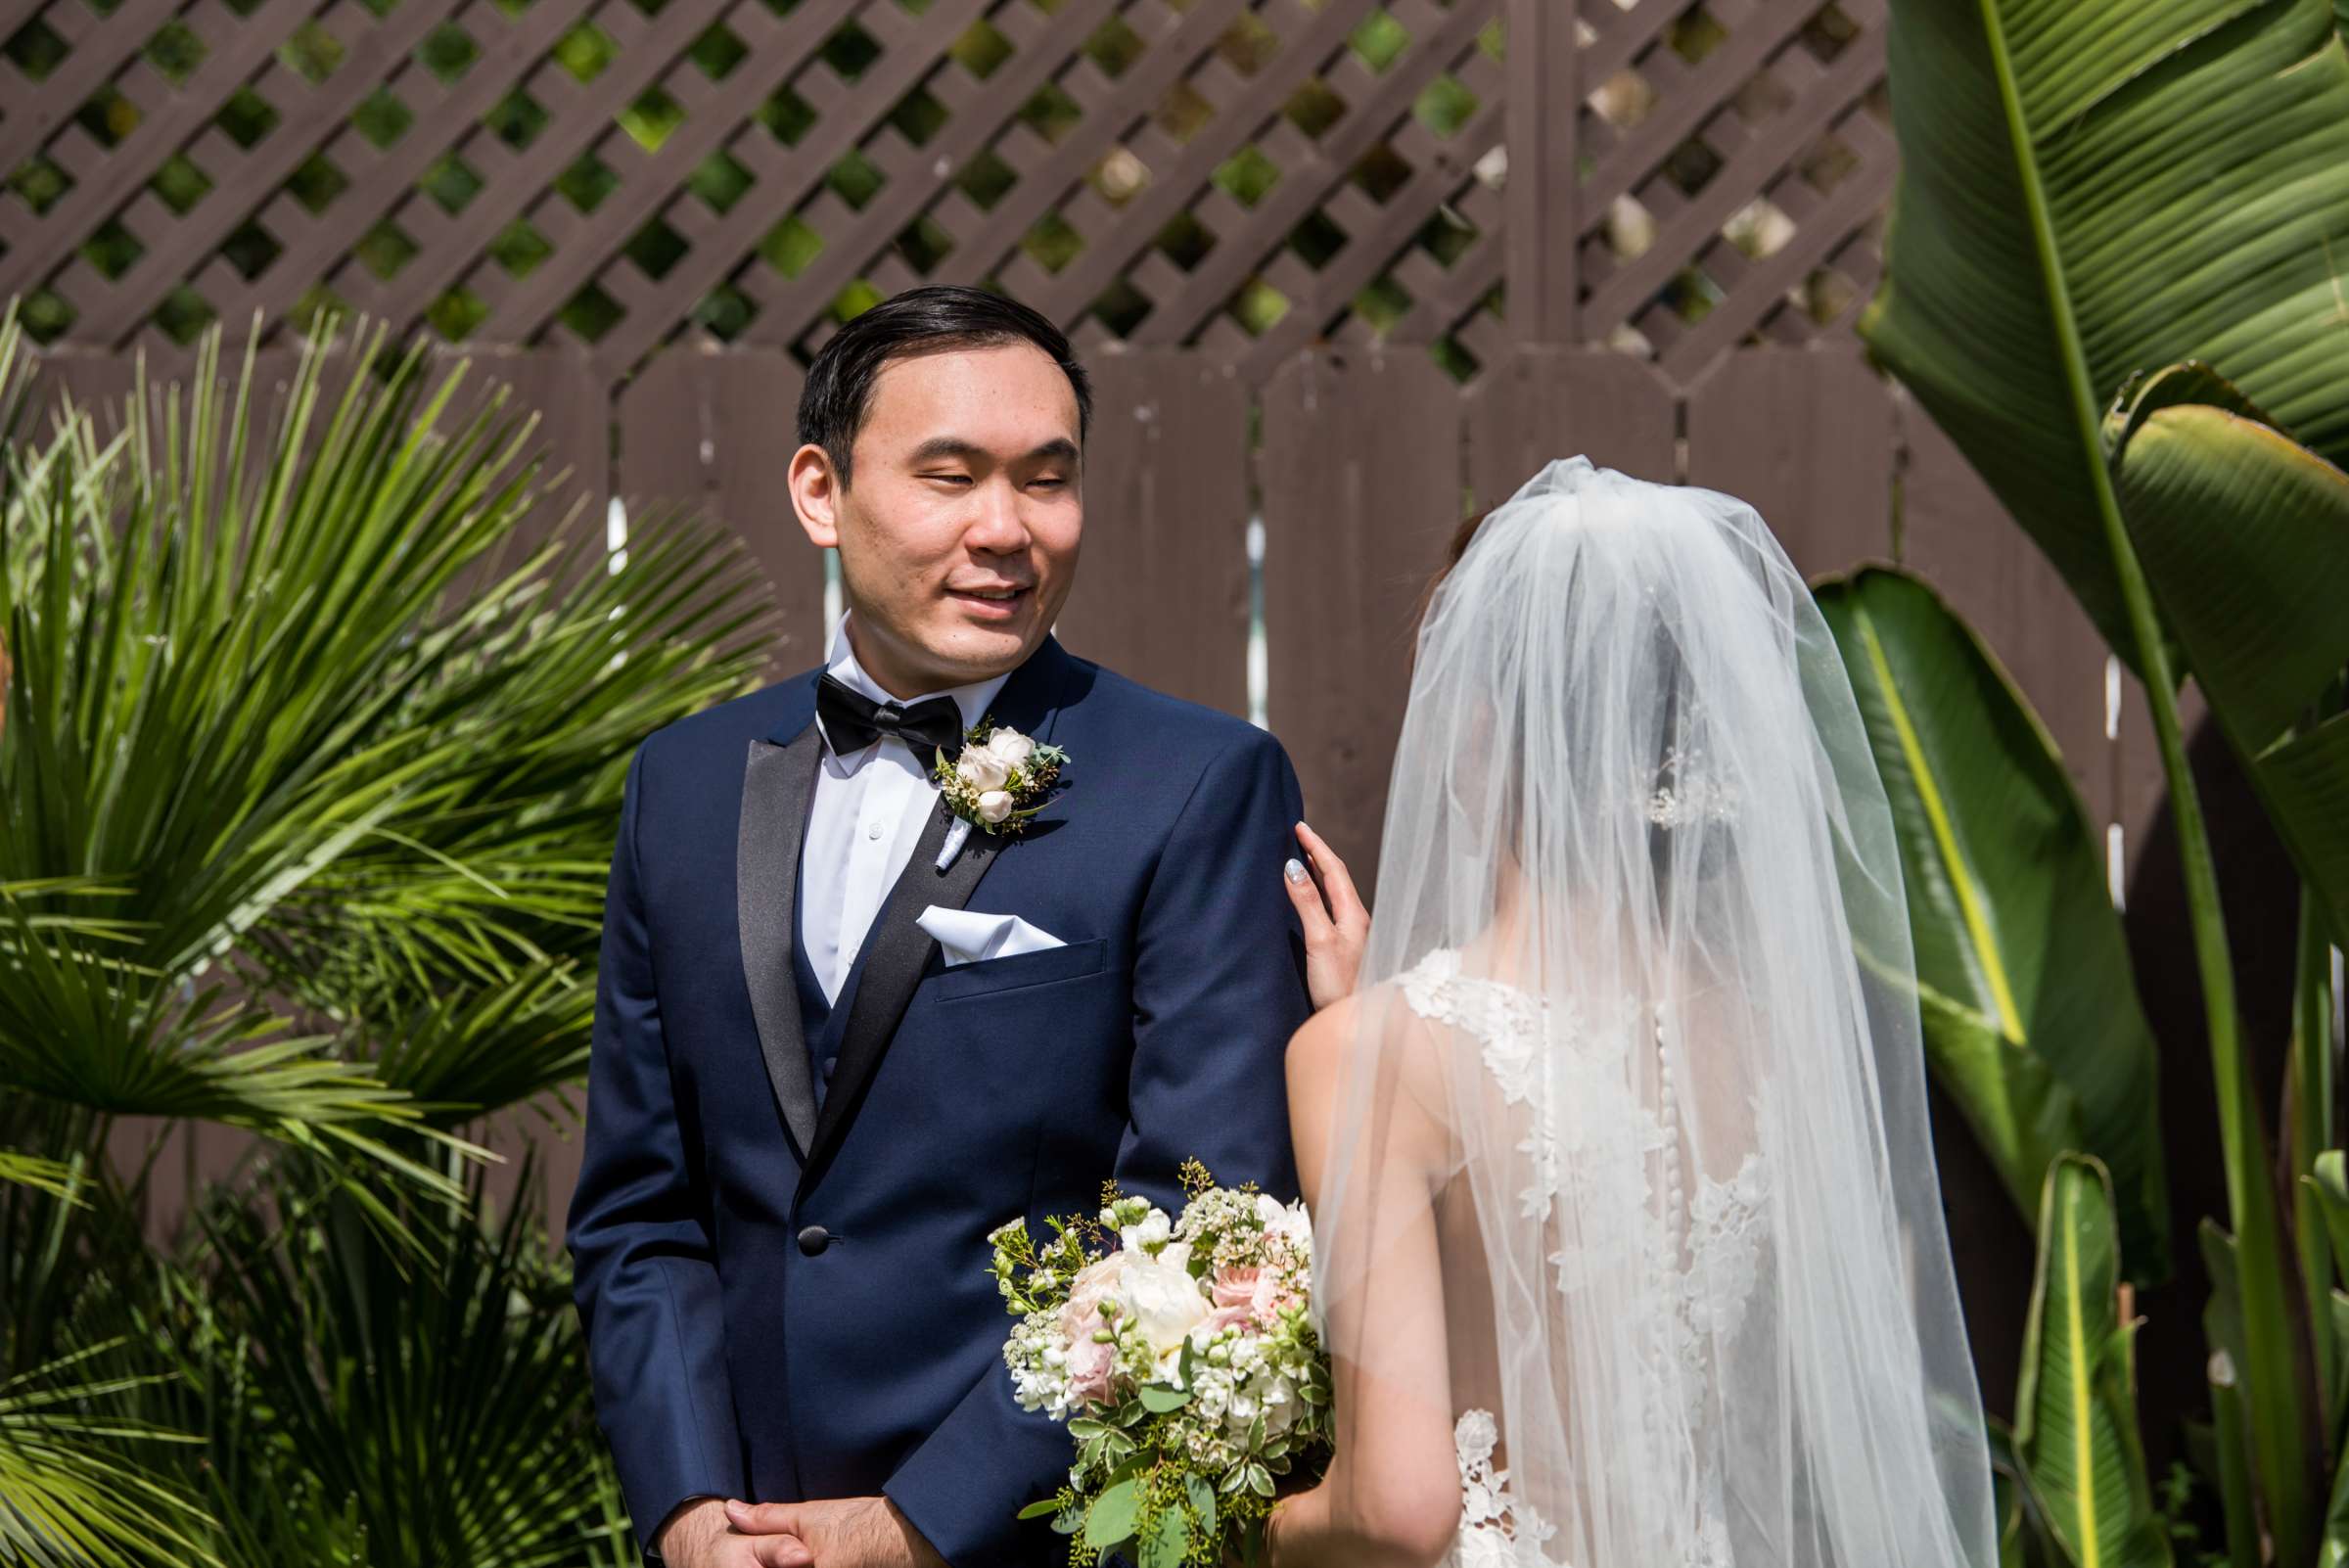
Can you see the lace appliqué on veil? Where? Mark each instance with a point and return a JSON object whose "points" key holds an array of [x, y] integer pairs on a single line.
{"points": [[1496, 1529]]}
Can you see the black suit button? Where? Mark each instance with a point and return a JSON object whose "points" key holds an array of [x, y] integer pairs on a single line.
{"points": [[830, 1062], [815, 1239]]}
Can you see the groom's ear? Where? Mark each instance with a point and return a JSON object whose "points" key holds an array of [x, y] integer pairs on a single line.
{"points": [[816, 488]]}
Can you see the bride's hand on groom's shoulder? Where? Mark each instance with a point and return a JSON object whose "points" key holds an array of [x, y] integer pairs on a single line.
{"points": [[1337, 926], [836, 1532]]}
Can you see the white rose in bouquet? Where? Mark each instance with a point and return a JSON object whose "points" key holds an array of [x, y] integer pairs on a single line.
{"points": [[1010, 748], [1165, 1301], [994, 805]]}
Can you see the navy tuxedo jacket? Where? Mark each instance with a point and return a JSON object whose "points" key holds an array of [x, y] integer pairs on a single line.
{"points": [[787, 1295]]}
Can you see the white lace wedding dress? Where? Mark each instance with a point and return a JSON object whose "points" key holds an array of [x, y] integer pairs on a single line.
{"points": [[1705, 1261]]}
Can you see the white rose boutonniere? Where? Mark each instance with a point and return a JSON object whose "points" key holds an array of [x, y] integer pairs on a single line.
{"points": [[1002, 779], [983, 770]]}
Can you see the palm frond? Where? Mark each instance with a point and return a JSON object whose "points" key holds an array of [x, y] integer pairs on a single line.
{"points": [[68, 1492], [53, 1176], [342, 748], [444, 1411]]}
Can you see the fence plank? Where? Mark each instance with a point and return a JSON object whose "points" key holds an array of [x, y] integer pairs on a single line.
{"points": [[550, 1128], [567, 392], [1806, 435], [1955, 533], [1163, 596], [1544, 195], [1540, 404], [100, 382], [1360, 479], [2140, 790], [715, 431]]}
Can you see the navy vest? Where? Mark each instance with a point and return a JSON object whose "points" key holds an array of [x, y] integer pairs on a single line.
{"points": [[822, 1021]]}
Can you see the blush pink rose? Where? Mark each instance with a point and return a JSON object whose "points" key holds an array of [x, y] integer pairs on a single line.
{"points": [[1234, 1286], [1095, 1283], [1269, 1297], [1091, 1363], [1222, 1317], [1247, 1298]]}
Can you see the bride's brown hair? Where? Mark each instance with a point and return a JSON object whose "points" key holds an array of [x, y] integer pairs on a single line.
{"points": [[1462, 538]]}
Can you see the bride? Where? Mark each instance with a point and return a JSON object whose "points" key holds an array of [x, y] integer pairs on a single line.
{"points": [[1630, 1249]]}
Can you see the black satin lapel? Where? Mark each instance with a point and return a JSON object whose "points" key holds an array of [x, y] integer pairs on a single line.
{"points": [[777, 783], [900, 952]]}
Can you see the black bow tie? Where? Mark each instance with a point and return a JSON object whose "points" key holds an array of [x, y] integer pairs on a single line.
{"points": [[852, 721]]}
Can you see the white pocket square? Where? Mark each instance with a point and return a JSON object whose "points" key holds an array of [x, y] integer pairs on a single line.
{"points": [[966, 936]]}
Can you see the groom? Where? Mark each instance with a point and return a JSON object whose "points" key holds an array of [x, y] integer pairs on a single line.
{"points": [[804, 1113]]}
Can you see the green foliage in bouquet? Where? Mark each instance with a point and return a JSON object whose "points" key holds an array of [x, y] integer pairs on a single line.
{"points": [[1189, 1407]]}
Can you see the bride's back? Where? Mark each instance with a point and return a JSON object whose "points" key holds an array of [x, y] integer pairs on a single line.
{"points": [[1638, 1050]]}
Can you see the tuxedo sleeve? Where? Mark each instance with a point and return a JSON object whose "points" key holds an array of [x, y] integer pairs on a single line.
{"points": [[643, 1267], [1218, 987]]}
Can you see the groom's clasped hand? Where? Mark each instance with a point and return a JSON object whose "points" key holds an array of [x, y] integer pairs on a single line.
{"points": [[864, 1531]]}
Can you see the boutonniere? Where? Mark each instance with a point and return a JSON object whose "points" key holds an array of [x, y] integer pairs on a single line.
{"points": [[1001, 780]]}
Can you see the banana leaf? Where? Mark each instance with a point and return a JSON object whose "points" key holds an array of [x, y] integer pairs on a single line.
{"points": [[2032, 1022], [2232, 1439], [2025, 1538], [2075, 1426], [2091, 187], [2244, 536], [2330, 1183]]}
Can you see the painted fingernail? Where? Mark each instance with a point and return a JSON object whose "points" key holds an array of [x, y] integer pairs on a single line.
{"points": [[1294, 870]]}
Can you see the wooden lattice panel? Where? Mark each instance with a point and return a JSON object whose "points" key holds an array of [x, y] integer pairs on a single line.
{"points": [[1740, 159], [1246, 176]]}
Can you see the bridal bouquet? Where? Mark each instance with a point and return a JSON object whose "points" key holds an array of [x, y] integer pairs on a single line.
{"points": [[1184, 1357]]}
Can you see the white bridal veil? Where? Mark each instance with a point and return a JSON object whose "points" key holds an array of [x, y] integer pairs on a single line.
{"points": [[1640, 962]]}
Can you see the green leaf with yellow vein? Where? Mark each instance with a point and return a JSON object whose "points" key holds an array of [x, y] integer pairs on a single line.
{"points": [[2031, 1016], [2075, 1426]]}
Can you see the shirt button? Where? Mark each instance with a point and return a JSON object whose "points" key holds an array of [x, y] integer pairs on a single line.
{"points": [[872, 830]]}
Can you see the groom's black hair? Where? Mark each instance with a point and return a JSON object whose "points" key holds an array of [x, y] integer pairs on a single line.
{"points": [[938, 319]]}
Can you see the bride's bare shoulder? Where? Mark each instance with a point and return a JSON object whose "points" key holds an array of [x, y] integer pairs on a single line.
{"points": [[1365, 1052], [1320, 1041], [1369, 1032]]}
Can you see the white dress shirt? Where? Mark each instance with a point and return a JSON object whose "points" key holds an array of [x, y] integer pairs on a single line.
{"points": [[867, 815]]}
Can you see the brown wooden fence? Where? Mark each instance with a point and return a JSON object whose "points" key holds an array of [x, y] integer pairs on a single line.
{"points": [[1358, 463]]}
